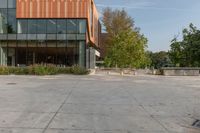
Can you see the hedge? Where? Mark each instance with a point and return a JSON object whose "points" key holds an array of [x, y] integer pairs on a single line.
{"points": [[42, 70]]}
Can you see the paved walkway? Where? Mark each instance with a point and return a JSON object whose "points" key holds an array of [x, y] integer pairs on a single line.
{"points": [[98, 104]]}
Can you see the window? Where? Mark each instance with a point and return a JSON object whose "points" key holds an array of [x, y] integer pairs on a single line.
{"points": [[41, 26], [32, 26], [3, 3], [82, 26], [61, 26], [51, 26], [22, 26], [72, 26], [3, 20], [72, 52], [12, 28], [11, 3]]}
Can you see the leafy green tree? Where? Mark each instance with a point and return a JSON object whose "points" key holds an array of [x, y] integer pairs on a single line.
{"points": [[186, 53], [126, 46], [176, 53], [159, 59]]}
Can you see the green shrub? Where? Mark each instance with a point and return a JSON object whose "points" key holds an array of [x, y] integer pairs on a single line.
{"points": [[4, 70], [64, 70], [20, 71], [77, 70], [42, 70]]}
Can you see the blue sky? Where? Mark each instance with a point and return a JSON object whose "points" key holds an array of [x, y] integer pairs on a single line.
{"points": [[159, 20]]}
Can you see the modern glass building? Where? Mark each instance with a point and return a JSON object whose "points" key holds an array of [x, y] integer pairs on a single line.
{"points": [[61, 32]]}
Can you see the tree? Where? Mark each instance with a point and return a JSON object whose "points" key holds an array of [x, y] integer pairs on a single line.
{"points": [[186, 53], [159, 59], [126, 46], [116, 21], [175, 53]]}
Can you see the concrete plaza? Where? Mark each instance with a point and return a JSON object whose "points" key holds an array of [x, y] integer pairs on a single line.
{"points": [[99, 104]]}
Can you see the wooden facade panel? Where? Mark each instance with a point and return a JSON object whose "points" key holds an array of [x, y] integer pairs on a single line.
{"points": [[52, 8]]}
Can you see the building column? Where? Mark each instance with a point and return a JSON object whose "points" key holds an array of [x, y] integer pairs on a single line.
{"points": [[81, 53], [90, 58]]}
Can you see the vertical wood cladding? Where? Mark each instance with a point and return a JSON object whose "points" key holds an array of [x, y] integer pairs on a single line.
{"points": [[52, 8], [60, 9]]}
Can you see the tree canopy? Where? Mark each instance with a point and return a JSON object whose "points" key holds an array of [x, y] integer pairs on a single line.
{"points": [[126, 46], [159, 59], [186, 53]]}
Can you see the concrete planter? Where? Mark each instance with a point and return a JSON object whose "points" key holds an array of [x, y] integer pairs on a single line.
{"points": [[182, 71]]}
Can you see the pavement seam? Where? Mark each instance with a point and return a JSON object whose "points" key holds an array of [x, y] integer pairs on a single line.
{"points": [[140, 105], [151, 116], [67, 97]]}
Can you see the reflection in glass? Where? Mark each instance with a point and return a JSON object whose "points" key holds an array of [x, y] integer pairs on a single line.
{"points": [[11, 3], [61, 26], [41, 26], [32, 26], [72, 53], [82, 26], [51, 26], [22, 26], [72, 26], [12, 28], [3, 21], [3, 3]]}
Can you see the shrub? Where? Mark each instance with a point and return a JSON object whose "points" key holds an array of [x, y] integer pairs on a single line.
{"points": [[77, 70], [39, 70], [4, 70], [20, 71], [64, 70], [43, 70]]}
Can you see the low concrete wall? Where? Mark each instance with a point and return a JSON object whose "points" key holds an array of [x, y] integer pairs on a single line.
{"points": [[117, 71], [175, 71]]}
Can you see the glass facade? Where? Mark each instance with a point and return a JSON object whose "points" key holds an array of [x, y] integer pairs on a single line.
{"points": [[30, 41]]}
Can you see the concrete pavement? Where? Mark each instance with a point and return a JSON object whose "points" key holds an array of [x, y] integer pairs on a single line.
{"points": [[98, 104]]}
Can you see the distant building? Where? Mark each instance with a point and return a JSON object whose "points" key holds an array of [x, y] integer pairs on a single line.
{"points": [[61, 32]]}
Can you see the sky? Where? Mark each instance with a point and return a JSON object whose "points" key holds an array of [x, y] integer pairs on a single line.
{"points": [[159, 20]]}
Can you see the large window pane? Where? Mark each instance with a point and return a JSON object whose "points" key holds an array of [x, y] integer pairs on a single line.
{"points": [[72, 53], [32, 26], [3, 20], [3, 3], [12, 28], [41, 26], [22, 26], [82, 26], [72, 26], [61, 26], [11, 3], [51, 26], [51, 44], [51, 36]]}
